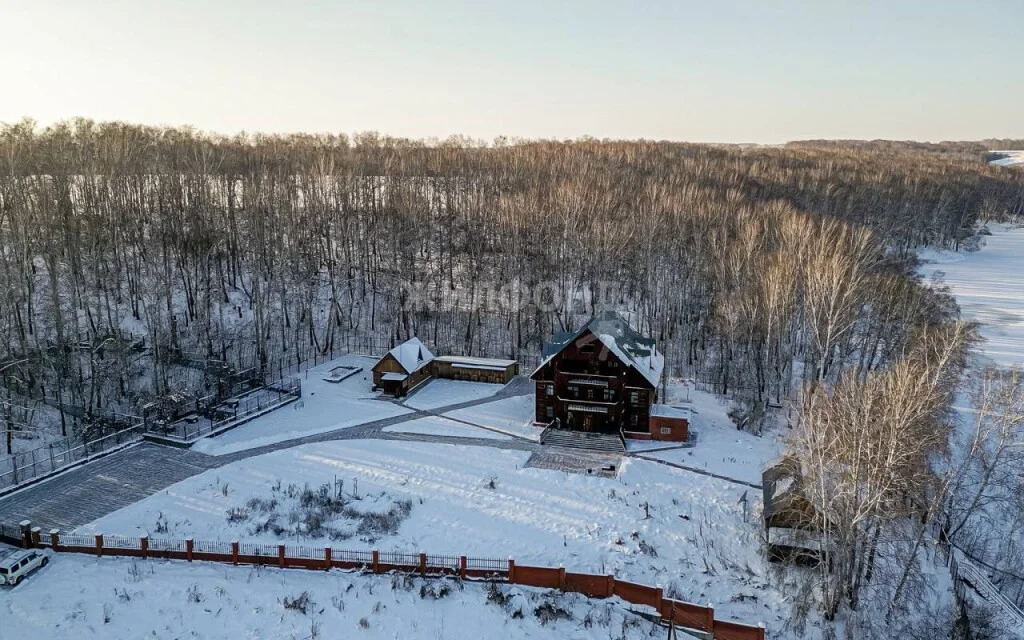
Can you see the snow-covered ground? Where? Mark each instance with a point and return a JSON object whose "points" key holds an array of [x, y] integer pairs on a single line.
{"points": [[483, 501], [443, 427], [511, 415], [44, 430], [79, 597], [989, 288], [1008, 159], [440, 393], [721, 447], [325, 406]]}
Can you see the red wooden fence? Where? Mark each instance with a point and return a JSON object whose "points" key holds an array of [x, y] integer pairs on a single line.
{"points": [[324, 558]]}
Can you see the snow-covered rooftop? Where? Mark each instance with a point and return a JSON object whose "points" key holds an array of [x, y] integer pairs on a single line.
{"points": [[666, 411], [412, 355], [627, 344], [472, 360], [394, 376]]}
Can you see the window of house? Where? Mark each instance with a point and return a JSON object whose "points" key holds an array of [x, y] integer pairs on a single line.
{"points": [[550, 412], [587, 348], [632, 419], [590, 394], [634, 397], [551, 389], [665, 431], [609, 395]]}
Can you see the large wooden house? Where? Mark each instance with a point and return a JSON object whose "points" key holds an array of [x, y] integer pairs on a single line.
{"points": [[602, 378]]}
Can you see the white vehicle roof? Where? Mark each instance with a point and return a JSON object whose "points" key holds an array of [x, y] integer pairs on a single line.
{"points": [[14, 557]]}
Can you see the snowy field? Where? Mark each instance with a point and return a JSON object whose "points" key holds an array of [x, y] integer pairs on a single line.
{"points": [[132, 599], [324, 406], [440, 393], [443, 427], [721, 447], [989, 288], [511, 415], [482, 501]]}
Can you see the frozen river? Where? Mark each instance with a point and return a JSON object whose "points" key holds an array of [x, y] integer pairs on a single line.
{"points": [[989, 286]]}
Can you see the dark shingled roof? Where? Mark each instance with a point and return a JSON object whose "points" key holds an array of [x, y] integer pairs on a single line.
{"points": [[629, 345]]}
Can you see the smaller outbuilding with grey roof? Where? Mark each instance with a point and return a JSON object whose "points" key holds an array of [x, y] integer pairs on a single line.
{"points": [[410, 364], [404, 368]]}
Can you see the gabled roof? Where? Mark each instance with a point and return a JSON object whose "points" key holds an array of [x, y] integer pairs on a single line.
{"points": [[412, 355], [628, 345]]}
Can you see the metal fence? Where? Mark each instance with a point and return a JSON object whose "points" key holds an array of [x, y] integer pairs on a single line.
{"points": [[398, 558], [23, 467], [486, 564], [354, 557], [163, 544], [232, 411], [964, 571]]}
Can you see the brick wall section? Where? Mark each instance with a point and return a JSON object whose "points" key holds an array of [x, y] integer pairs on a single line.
{"points": [[588, 584], [638, 594], [546, 577], [324, 558], [677, 428]]}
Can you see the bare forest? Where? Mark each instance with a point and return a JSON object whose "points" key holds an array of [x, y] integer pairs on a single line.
{"points": [[127, 250]]}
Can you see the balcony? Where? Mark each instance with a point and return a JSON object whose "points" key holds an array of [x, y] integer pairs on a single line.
{"points": [[594, 382]]}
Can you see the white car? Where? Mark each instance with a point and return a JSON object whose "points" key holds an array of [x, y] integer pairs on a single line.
{"points": [[19, 564]]}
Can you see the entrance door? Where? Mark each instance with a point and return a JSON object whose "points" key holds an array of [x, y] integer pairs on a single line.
{"points": [[588, 422]]}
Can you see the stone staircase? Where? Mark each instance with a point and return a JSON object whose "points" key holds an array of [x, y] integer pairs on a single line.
{"points": [[596, 442]]}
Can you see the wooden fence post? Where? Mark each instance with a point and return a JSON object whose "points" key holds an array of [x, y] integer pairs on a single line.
{"points": [[760, 631], [190, 546], [99, 544], [376, 561], [659, 599], [280, 556], [511, 570], [423, 564], [561, 577], [234, 552], [610, 588], [462, 567], [327, 558], [26, 533], [144, 546], [55, 539], [709, 620]]}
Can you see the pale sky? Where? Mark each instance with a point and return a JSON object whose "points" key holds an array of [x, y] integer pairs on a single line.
{"points": [[757, 71]]}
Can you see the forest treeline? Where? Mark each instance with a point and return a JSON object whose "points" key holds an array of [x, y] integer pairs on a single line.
{"points": [[755, 267]]}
